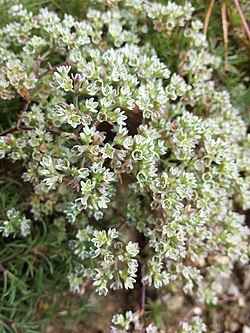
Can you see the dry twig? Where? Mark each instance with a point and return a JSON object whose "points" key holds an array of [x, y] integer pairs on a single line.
{"points": [[208, 15]]}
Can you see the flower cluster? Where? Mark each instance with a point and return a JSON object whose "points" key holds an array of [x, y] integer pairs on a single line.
{"points": [[16, 223], [114, 262], [123, 324], [196, 326]]}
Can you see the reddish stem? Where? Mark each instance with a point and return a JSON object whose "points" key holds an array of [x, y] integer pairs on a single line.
{"points": [[16, 129], [96, 123], [143, 296], [242, 17], [225, 32], [2, 269]]}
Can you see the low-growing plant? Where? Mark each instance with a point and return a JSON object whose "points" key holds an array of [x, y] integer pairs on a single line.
{"points": [[119, 167]]}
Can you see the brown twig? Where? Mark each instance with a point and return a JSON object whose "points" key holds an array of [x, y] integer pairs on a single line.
{"points": [[229, 299], [208, 15], [225, 33], [16, 129], [242, 17], [7, 261], [78, 129], [54, 131], [8, 131]]}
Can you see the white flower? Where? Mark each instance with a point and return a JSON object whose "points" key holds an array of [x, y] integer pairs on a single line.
{"points": [[108, 151], [151, 329], [129, 283], [132, 249]]}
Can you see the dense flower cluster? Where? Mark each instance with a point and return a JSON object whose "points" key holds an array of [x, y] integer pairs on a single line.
{"points": [[15, 223], [114, 264], [124, 323], [111, 139]]}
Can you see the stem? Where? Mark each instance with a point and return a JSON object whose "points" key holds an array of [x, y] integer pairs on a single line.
{"points": [[18, 127], [10, 130], [25, 107], [242, 17], [53, 131], [76, 100], [208, 15], [225, 32], [78, 129], [38, 64], [229, 299], [39, 60], [2, 269], [143, 299], [143, 296], [7, 261], [85, 285], [96, 123], [15, 129]]}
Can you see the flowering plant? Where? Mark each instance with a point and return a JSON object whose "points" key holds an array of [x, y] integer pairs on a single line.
{"points": [[136, 168]]}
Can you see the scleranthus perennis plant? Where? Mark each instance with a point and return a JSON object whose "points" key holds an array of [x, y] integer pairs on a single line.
{"points": [[133, 172]]}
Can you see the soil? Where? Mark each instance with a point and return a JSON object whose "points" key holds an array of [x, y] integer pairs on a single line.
{"points": [[229, 317], [118, 301]]}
